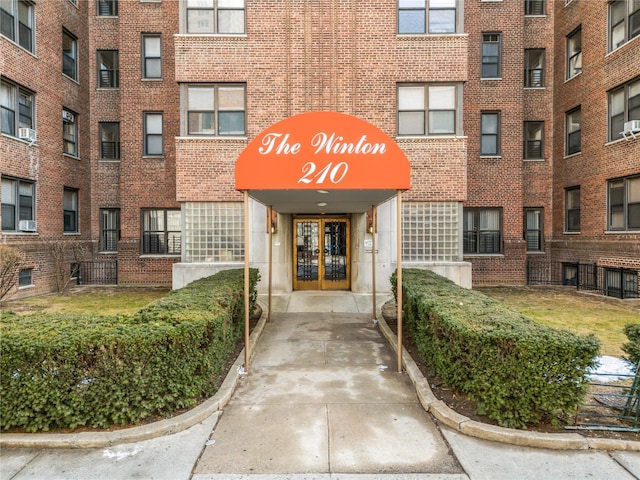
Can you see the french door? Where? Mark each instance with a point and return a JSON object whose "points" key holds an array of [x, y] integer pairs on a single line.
{"points": [[321, 255]]}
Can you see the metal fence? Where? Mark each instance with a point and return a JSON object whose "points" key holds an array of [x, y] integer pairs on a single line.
{"points": [[612, 403], [103, 272], [616, 282]]}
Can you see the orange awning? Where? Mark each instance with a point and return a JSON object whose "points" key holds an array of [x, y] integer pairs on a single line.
{"points": [[293, 163]]}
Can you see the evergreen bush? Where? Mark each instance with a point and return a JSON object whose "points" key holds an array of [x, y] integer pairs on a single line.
{"points": [[62, 371], [516, 371]]}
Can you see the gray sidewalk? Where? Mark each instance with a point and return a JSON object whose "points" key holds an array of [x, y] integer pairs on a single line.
{"points": [[322, 400]]}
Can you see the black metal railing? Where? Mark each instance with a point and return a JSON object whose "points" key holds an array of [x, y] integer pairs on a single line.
{"points": [[616, 282], [101, 272]]}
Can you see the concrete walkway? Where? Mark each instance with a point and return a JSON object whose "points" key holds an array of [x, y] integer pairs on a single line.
{"points": [[322, 401]]}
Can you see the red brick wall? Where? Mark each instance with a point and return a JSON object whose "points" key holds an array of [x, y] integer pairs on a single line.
{"points": [[43, 162], [599, 160], [497, 181]]}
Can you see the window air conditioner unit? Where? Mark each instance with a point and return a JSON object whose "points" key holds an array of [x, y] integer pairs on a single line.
{"points": [[27, 226], [632, 126], [27, 134]]}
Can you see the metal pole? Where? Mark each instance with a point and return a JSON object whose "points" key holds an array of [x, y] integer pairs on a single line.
{"points": [[270, 214], [246, 281], [399, 280], [373, 257]]}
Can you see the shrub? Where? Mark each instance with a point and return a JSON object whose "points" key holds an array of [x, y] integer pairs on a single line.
{"points": [[513, 368], [64, 371], [632, 347], [10, 260]]}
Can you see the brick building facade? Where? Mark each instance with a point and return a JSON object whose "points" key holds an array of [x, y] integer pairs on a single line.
{"points": [[168, 94]]}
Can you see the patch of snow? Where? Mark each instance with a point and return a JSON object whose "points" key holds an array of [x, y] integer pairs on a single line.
{"points": [[610, 369]]}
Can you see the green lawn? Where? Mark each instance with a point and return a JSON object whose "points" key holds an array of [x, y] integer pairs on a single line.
{"points": [[566, 308], [96, 300]]}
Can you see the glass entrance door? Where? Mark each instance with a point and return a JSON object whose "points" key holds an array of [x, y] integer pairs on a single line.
{"points": [[321, 254]]}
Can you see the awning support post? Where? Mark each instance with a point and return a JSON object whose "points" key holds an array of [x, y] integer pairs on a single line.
{"points": [[246, 281], [269, 216], [399, 279], [373, 259]]}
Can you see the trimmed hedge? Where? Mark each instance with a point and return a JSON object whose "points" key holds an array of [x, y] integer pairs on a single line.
{"points": [[514, 369], [65, 371]]}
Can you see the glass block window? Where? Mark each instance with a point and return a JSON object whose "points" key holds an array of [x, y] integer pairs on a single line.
{"points": [[214, 232], [430, 231]]}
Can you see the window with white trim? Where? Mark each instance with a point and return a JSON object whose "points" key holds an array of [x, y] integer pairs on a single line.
{"points": [[161, 232], [17, 108], [17, 22], [151, 56], [18, 200], [216, 109], [624, 105], [624, 22], [482, 231], [623, 204], [216, 16], [69, 55], [428, 109]]}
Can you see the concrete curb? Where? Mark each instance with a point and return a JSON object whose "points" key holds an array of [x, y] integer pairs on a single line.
{"points": [[211, 406], [448, 416]]}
